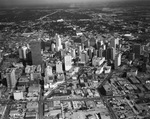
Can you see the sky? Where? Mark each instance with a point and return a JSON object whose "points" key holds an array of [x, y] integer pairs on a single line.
{"points": [[34, 2], [26, 2]]}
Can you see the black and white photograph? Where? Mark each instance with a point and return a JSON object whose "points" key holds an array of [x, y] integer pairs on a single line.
{"points": [[74, 59]]}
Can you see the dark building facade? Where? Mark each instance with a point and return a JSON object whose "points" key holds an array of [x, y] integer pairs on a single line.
{"points": [[36, 52]]}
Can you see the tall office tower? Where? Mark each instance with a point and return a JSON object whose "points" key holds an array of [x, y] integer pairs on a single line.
{"points": [[1, 55], [104, 54], [62, 53], [108, 54], [98, 45], [90, 51], [24, 50], [137, 50], [82, 45], [59, 68], [48, 71], [53, 46], [131, 56], [43, 45], [117, 60], [113, 53], [104, 47], [20, 53], [93, 42], [107, 45], [117, 41], [1, 36], [113, 43], [95, 52], [68, 62], [87, 43], [73, 53], [84, 57], [58, 43], [100, 52], [11, 77], [79, 50], [149, 57], [36, 52], [94, 61]]}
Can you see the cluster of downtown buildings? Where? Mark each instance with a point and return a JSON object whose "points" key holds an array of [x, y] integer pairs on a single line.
{"points": [[86, 75]]}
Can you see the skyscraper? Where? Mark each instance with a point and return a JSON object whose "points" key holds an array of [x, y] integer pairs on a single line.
{"points": [[1, 56], [117, 60], [84, 57], [68, 63], [24, 50], [108, 54], [20, 52], [114, 42], [53, 46], [79, 50], [113, 53], [36, 52], [59, 68], [58, 43], [11, 78], [100, 52], [73, 53], [93, 42], [137, 50], [95, 52], [90, 53], [48, 71]]}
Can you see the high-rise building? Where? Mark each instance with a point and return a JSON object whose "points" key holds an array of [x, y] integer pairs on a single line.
{"points": [[36, 52], [20, 53], [79, 50], [104, 47], [114, 42], [59, 68], [48, 71], [68, 62], [100, 52], [117, 60], [108, 54], [24, 50], [90, 53], [113, 53], [53, 46], [84, 57], [1, 56], [137, 50], [95, 52], [93, 42], [149, 57], [58, 43], [87, 43], [131, 56], [73, 53], [11, 77]]}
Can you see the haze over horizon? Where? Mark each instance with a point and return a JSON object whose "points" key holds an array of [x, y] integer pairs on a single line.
{"points": [[42, 2]]}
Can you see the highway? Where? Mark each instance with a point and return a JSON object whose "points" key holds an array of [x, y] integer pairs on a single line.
{"points": [[40, 105], [6, 112], [48, 15], [104, 99], [41, 100], [105, 79]]}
